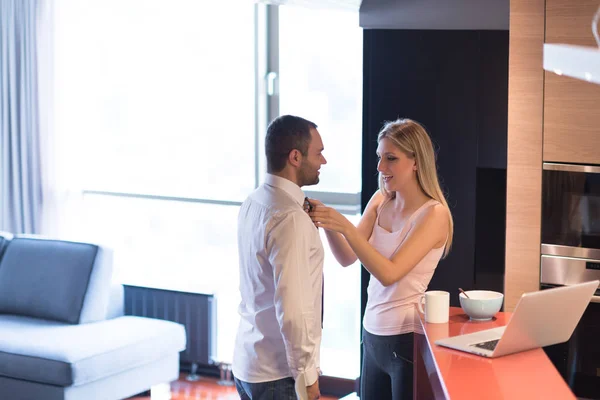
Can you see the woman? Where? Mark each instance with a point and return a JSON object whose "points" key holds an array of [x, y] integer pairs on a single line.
{"points": [[405, 230]]}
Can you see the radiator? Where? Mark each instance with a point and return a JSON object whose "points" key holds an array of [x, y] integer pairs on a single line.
{"points": [[196, 311]]}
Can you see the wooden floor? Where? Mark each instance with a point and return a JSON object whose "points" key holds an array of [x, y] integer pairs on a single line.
{"points": [[204, 389]]}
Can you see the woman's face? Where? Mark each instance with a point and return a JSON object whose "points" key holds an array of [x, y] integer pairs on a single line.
{"points": [[395, 167]]}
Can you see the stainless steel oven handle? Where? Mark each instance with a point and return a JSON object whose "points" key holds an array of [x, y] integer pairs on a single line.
{"points": [[591, 169], [595, 299]]}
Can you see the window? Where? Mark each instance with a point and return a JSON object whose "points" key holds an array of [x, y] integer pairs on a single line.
{"points": [[159, 96], [160, 126], [174, 245], [320, 78], [156, 109], [340, 345]]}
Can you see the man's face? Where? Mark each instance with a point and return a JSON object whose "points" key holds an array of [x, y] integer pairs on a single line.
{"points": [[308, 173]]}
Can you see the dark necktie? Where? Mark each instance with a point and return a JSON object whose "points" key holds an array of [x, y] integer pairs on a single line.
{"points": [[322, 301], [308, 208]]}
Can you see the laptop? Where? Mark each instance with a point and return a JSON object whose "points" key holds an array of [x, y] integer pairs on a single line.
{"points": [[540, 319]]}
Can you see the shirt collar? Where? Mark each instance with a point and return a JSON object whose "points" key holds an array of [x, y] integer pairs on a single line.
{"points": [[287, 186]]}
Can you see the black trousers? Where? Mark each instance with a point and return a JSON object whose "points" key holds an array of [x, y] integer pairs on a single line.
{"points": [[387, 368]]}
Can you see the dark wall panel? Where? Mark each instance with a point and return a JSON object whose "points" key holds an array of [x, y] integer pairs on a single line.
{"points": [[490, 229], [492, 114], [442, 79]]}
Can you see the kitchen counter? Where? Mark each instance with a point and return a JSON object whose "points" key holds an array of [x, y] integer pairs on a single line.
{"points": [[442, 373]]}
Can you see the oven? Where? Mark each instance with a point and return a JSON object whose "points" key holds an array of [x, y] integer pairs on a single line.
{"points": [[571, 254], [571, 210]]}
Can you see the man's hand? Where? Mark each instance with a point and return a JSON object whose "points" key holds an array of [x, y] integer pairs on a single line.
{"points": [[313, 391]]}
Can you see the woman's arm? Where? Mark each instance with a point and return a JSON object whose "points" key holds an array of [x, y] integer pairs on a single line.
{"points": [[340, 248], [430, 229]]}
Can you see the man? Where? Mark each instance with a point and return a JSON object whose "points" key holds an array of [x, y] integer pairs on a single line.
{"points": [[276, 353]]}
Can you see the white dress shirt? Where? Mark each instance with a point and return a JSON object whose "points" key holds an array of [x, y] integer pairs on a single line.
{"points": [[281, 277]]}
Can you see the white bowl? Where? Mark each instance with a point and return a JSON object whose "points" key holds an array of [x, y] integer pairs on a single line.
{"points": [[481, 305]]}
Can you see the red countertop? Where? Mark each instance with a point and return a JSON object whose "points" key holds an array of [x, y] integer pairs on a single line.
{"points": [[458, 375]]}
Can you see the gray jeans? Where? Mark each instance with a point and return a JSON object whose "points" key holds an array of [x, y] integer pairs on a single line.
{"points": [[282, 389]]}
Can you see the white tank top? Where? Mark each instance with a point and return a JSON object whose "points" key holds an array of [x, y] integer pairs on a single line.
{"points": [[390, 310]]}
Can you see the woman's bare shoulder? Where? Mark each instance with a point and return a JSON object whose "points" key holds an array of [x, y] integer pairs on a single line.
{"points": [[369, 216], [436, 215], [376, 200]]}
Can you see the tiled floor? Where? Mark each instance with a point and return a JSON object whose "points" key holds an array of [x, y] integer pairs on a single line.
{"points": [[204, 389]]}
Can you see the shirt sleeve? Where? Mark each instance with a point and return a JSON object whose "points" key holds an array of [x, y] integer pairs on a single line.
{"points": [[289, 245]]}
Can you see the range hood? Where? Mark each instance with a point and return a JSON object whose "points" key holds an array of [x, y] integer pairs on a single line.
{"points": [[580, 62]]}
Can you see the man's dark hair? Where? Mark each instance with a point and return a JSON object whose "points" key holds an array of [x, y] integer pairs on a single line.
{"points": [[284, 134]]}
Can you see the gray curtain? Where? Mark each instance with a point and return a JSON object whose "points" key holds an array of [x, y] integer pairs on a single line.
{"points": [[20, 175]]}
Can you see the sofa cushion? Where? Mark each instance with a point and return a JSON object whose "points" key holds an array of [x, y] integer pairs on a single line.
{"points": [[61, 354], [45, 278]]}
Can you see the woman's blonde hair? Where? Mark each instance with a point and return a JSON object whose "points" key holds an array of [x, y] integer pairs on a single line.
{"points": [[414, 141]]}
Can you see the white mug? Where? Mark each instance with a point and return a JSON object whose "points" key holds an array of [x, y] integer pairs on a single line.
{"points": [[437, 306]]}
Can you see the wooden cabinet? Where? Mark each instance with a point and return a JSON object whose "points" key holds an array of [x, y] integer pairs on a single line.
{"points": [[524, 171], [571, 106], [571, 120], [550, 118]]}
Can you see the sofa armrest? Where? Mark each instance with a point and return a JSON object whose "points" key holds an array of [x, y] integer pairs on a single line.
{"points": [[97, 297], [116, 304]]}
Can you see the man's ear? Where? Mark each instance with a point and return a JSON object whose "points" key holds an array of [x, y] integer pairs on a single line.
{"points": [[295, 158]]}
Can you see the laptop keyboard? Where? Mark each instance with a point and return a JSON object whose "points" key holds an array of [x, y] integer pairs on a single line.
{"points": [[489, 345]]}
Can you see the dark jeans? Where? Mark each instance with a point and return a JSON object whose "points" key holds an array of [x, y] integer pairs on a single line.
{"points": [[282, 389], [387, 369]]}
